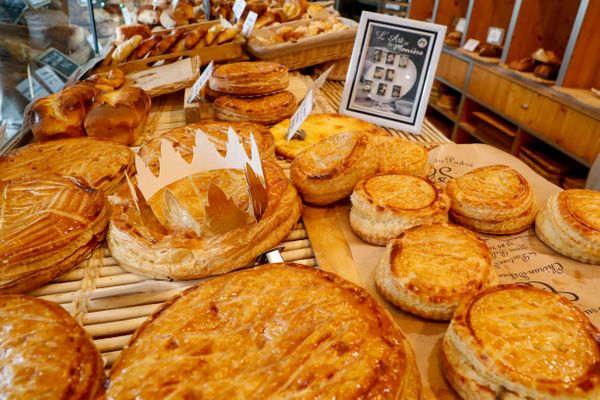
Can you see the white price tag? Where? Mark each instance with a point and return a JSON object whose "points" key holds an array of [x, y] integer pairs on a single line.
{"points": [[238, 8], [495, 35], [38, 90], [300, 115], [199, 84], [249, 23], [224, 23], [127, 16], [320, 81], [461, 25], [471, 45], [50, 78], [206, 6]]}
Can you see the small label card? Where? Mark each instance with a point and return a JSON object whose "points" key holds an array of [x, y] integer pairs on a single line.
{"points": [[57, 60], [249, 23], [300, 115], [31, 89], [320, 81], [199, 84], [50, 78], [495, 35], [206, 6], [238, 9], [471, 45], [461, 25]]}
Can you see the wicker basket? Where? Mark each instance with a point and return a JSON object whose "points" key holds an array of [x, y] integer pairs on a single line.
{"points": [[307, 51]]}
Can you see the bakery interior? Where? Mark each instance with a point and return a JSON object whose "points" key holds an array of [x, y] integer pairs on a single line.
{"points": [[176, 223]]}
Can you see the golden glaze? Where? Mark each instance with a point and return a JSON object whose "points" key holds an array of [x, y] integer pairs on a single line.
{"points": [[268, 109], [429, 269], [527, 341], [45, 353], [249, 78], [48, 224], [100, 163], [276, 331], [318, 127], [399, 192]]}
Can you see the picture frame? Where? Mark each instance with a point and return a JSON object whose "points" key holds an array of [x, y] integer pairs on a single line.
{"points": [[400, 91]]}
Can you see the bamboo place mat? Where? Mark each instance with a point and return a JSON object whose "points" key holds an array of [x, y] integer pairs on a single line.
{"points": [[111, 303]]}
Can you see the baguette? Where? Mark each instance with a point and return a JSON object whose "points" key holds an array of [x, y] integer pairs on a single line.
{"points": [[125, 49], [227, 35], [212, 34], [167, 42], [145, 46]]}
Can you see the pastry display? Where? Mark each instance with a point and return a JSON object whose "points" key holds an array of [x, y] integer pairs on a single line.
{"points": [[398, 156], [268, 109], [385, 205], [172, 237], [545, 71], [316, 127], [124, 50], [526, 64], [217, 131], [49, 224], [516, 341], [119, 115], [47, 355], [544, 64], [311, 28], [570, 224], [270, 12], [101, 164], [107, 81], [279, 330], [430, 269], [490, 50], [249, 78], [494, 199]]}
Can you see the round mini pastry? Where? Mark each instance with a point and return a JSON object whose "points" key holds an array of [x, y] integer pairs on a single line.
{"points": [[280, 330], [329, 171], [47, 354], [385, 205], [519, 342], [100, 163], [429, 269], [494, 199], [317, 127], [399, 156], [570, 224], [249, 78], [173, 236], [267, 110], [184, 138], [49, 224]]}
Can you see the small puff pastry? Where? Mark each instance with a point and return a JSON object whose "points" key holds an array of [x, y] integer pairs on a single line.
{"points": [[267, 110], [570, 224], [49, 224], [519, 342], [46, 354], [494, 200], [385, 205], [430, 269], [275, 331], [249, 78], [101, 164]]}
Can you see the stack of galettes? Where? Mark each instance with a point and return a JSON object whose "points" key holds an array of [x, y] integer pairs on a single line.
{"points": [[252, 92]]}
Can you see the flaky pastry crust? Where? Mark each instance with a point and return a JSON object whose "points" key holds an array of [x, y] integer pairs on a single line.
{"points": [[268, 109], [276, 331], [249, 78]]}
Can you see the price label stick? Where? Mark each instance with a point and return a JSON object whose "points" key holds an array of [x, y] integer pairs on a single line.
{"points": [[471, 45], [199, 84], [300, 115], [238, 8], [317, 84], [206, 6], [249, 23]]}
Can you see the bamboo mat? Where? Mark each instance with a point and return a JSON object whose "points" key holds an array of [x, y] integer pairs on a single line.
{"points": [[111, 303]]}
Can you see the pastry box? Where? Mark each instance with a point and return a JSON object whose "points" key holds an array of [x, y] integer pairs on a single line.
{"points": [[306, 51]]}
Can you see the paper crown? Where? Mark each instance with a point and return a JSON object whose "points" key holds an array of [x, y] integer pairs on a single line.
{"points": [[205, 158]]}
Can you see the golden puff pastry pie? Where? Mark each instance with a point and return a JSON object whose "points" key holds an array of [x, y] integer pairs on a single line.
{"points": [[267, 110], [317, 127], [100, 163], [495, 199], [249, 78], [430, 269], [399, 156], [385, 205], [276, 331], [175, 239], [49, 224], [570, 224], [519, 342], [328, 171], [184, 137], [46, 354]]}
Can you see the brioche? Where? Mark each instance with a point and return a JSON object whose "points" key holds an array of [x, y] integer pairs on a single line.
{"points": [[268, 109], [385, 205], [430, 269], [107, 81], [249, 78], [118, 116], [47, 355]]}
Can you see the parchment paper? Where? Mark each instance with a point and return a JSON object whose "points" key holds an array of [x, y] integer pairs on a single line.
{"points": [[517, 258]]}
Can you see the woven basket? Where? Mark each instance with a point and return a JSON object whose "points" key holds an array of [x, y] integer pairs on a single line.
{"points": [[308, 51]]}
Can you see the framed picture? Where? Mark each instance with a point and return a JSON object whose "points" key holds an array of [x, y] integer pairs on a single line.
{"points": [[399, 56]]}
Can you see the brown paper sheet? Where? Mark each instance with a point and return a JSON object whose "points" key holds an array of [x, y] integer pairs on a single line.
{"points": [[517, 258]]}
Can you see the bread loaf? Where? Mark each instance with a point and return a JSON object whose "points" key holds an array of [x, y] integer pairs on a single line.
{"points": [[125, 32]]}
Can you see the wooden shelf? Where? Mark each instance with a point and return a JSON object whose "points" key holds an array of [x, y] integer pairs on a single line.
{"points": [[483, 138], [486, 13], [448, 11], [451, 115]]}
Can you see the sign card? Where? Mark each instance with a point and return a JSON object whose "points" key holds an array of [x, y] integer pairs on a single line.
{"points": [[461, 25], [238, 9], [249, 23], [57, 60], [391, 71], [495, 35], [300, 115], [471, 45], [199, 84], [50, 78]]}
